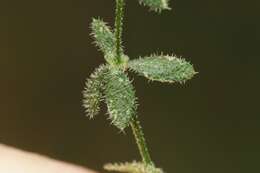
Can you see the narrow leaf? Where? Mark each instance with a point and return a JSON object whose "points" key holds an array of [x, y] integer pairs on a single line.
{"points": [[134, 167], [120, 98], [92, 93], [104, 39], [156, 5], [163, 68]]}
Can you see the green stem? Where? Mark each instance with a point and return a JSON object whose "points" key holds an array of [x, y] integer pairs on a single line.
{"points": [[140, 140], [135, 124], [120, 4]]}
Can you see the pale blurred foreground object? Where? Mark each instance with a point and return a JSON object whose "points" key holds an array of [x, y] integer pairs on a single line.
{"points": [[13, 160]]}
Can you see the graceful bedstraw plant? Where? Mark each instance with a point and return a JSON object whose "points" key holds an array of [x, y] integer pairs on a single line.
{"points": [[110, 83]]}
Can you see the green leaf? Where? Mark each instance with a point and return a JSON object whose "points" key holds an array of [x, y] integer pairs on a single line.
{"points": [[156, 5], [163, 68], [92, 93], [120, 98], [134, 167], [104, 39]]}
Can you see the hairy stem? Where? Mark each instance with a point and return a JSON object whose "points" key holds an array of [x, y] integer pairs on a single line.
{"points": [[120, 4], [135, 124], [140, 140]]}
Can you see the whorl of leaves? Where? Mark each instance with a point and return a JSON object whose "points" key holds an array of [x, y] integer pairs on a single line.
{"points": [[134, 167], [163, 68], [92, 93], [120, 98], [156, 5]]}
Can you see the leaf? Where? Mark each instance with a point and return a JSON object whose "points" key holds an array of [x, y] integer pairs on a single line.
{"points": [[120, 98], [134, 167], [104, 39], [163, 68], [92, 93], [156, 5]]}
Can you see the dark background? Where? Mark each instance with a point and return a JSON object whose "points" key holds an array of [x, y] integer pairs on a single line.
{"points": [[211, 124]]}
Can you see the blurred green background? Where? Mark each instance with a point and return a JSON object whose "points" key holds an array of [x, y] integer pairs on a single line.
{"points": [[211, 124]]}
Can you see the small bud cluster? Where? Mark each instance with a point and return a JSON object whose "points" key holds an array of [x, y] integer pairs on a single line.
{"points": [[156, 5], [134, 167]]}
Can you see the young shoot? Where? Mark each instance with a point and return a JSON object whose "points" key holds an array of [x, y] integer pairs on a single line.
{"points": [[110, 83]]}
